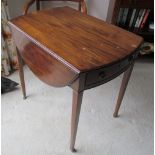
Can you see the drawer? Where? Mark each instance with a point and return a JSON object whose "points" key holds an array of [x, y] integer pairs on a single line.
{"points": [[102, 74]]}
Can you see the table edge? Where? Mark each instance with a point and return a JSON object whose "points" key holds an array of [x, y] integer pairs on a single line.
{"points": [[63, 61], [49, 51]]}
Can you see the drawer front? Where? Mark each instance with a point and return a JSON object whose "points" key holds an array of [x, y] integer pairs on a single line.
{"points": [[101, 75]]}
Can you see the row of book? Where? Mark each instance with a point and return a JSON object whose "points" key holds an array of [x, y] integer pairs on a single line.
{"points": [[132, 18]]}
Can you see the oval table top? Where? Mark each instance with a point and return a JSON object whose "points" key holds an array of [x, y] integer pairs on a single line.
{"points": [[80, 41]]}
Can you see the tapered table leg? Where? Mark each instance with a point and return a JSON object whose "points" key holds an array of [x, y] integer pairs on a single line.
{"points": [[21, 74], [76, 106], [123, 87]]}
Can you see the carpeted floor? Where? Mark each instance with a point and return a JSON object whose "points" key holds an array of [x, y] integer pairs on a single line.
{"points": [[40, 125]]}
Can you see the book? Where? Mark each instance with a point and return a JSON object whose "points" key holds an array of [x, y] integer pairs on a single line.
{"points": [[135, 18], [145, 19], [128, 18], [141, 18], [125, 13], [120, 22], [138, 18], [132, 17], [119, 16]]}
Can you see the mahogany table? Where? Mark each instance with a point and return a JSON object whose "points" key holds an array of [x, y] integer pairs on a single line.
{"points": [[64, 47]]}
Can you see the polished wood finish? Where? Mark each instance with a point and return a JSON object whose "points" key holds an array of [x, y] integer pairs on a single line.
{"points": [[123, 87], [64, 47], [76, 107], [82, 5], [21, 74], [98, 75], [72, 29], [47, 68]]}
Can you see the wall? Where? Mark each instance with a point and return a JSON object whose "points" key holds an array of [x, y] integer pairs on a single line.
{"points": [[97, 8], [16, 7]]}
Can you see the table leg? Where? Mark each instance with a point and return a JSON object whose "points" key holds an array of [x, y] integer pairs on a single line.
{"points": [[123, 87], [21, 74], [76, 106]]}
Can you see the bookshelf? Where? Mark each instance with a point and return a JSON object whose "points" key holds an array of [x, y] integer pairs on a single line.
{"points": [[135, 16]]}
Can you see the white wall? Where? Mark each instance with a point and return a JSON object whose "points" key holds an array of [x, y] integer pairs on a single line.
{"points": [[97, 8]]}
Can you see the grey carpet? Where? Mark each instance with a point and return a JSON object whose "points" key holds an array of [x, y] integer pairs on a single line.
{"points": [[40, 125]]}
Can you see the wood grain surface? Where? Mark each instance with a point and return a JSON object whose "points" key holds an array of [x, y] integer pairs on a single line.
{"points": [[80, 41], [43, 64]]}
